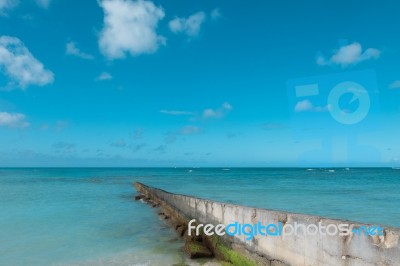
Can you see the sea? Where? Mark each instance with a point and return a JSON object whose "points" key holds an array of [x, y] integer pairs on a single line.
{"points": [[88, 216]]}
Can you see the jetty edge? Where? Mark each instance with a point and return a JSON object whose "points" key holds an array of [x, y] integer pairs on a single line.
{"points": [[296, 250]]}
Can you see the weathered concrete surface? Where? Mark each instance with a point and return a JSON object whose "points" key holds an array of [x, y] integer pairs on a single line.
{"points": [[298, 250]]}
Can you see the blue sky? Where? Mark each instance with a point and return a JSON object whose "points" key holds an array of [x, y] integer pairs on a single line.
{"points": [[198, 83]]}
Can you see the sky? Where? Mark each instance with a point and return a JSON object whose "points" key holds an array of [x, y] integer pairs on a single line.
{"points": [[135, 83]]}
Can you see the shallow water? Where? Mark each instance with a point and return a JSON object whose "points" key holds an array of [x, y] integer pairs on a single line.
{"points": [[88, 216]]}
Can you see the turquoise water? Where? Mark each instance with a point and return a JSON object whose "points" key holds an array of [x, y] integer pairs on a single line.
{"points": [[88, 216]]}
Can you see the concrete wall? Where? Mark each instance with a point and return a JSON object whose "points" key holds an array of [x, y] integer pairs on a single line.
{"points": [[293, 250]]}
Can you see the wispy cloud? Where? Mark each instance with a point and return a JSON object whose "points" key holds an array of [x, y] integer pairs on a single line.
{"points": [[307, 106], [217, 113], [122, 144], [21, 66], [13, 120], [104, 76], [190, 130], [171, 137], [64, 147], [137, 134], [205, 114], [7, 5], [161, 149], [43, 3], [176, 112], [190, 26], [348, 55], [58, 126], [72, 49], [61, 125], [130, 27], [395, 85], [119, 144], [138, 147], [215, 14]]}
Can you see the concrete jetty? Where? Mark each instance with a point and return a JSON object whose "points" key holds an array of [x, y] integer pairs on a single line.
{"points": [[298, 250]]}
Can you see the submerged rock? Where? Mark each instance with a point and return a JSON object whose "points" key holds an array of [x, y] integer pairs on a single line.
{"points": [[181, 230], [196, 250], [139, 197]]}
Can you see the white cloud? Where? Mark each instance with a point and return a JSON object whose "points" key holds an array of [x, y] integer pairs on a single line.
{"points": [[304, 105], [176, 112], [217, 113], [307, 106], [190, 26], [395, 85], [105, 76], [208, 113], [6, 5], [130, 27], [72, 49], [227, 106], [351, 54], [43, 3], [13, 120], [20, 65]]}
